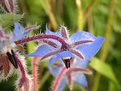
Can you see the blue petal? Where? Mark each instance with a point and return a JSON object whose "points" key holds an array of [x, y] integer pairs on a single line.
{"points": [[62, 85], [54, 69], [53, 33], [40, 51], [82, 36], [61, 55], [25, 34], [54, 59], [18, 31], [50, 32], [80, 79], [65, 54], [90, 50], [81, 63]]}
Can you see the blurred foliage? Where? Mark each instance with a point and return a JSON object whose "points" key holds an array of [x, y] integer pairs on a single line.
{"points": [[7, 20], [100, 17]]}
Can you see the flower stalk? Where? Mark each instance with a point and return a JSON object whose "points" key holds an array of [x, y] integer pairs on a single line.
{"points": [[35, 74], [39, 37], [58, 79]]}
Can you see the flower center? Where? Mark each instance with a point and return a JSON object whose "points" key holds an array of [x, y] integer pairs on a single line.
{"points": [[65, 47], [67, 62]]}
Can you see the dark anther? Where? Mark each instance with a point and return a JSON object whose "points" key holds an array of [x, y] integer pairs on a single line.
{"points": [[1, 68], [12, 58], [67, 62]]}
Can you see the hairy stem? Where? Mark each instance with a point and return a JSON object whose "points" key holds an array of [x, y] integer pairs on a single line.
{"points": [[58, 79], [22, 70], [69, 81], [82, 70], [49, 43], [39, 37], [76, 44], [35, 61]]}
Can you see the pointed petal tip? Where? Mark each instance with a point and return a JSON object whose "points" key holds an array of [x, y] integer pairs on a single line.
{"points": [[16, 23], [47, 29], [81, 79], [101, 38], [40, 51], [82, 36], [90, 50]]}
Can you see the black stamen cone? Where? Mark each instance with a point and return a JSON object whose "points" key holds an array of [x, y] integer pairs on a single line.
{"points": [[67, 63], [12, 58]]}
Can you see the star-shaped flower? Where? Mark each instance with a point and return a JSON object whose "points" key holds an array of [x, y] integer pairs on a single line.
{"points": [[73, 51], [7, 49], [67, 76], [10, 59], [7, 44], [18, 33], [82, 45]]}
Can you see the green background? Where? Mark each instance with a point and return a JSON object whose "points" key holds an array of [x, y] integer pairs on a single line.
{"points": [[99, 17]]}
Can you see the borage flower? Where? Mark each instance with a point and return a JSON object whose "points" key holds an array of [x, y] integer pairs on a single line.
{"points": [[10, 60], [67, 76], [82, 45]]}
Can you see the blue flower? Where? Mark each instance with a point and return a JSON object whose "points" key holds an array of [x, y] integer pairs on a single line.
{"points": [[8, 48], [74, 52], [81, 45], [67, 76], [7, 45], [18, 33]]}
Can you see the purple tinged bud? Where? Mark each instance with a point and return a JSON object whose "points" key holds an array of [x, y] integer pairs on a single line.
{"points": [[24, 84]]}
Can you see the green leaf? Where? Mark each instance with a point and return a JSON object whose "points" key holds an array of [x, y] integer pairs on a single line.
{"points": [[7, 20], [113, 88], [44, 6], [103, 69]]}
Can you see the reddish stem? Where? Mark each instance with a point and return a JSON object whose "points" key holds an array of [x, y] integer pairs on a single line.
{"points": [[69, 80], [35, 60], [41, 36], [23, 73], [58, 79], [82, 70], [50, 54], [82, 42], [77, 53], [49, 42]]}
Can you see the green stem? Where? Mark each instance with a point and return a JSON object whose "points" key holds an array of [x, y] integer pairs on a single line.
{"points": [[104, 51], [90, 24], [46, 76], [51, 15], [89, 10], [79, 16]]}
